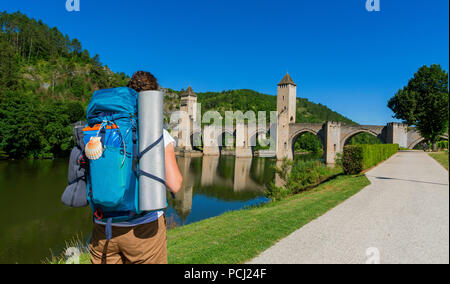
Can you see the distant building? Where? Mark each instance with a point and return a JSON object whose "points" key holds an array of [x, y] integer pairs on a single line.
{"points": [[189, 103]]}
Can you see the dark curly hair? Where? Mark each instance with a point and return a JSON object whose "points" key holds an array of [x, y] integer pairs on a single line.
{"points": [[143, 81]]}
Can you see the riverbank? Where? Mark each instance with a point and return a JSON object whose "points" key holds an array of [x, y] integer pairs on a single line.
{"points": [[239, 236]]}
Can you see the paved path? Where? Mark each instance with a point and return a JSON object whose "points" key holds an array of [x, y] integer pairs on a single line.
{"points": [[402, 217]]}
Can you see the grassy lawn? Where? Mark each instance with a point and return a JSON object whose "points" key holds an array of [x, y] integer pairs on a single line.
{"points": [[442, 158], [239, 236]]}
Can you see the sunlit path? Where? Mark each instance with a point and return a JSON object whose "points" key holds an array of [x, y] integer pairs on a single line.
{"points": [[402, 217]]}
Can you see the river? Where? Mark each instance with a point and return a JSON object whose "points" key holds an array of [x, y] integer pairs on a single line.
{"points": [[35, 224]]}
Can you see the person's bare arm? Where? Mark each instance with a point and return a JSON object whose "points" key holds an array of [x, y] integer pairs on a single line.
{"points": [[173, 175]]}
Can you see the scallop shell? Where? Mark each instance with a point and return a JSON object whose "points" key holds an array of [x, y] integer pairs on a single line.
{"points": [[94, 148]]}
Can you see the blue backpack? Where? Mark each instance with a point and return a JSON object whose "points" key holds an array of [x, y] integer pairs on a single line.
{"points": [[113, 189]]}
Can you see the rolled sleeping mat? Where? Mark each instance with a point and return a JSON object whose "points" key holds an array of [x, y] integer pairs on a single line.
{"points": [[152, 192]]}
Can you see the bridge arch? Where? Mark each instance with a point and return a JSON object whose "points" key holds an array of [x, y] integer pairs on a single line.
{"points": [[359, 131], [421, 139], [414, 143], [221, 138], [196, 137], [297, 134], [253, 137]]}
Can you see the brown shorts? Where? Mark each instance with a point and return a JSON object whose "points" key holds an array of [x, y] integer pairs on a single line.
{"points": [[142, 244]]}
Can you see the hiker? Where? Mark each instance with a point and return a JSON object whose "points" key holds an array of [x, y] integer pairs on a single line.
{"points": [[141, 240], [425, 146]]}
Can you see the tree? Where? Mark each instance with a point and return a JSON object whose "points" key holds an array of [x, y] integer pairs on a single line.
{"points": [[75, 111], [76, 45], [363, 138], [8, 67], [77, 87], [424, 102], [308, 142], [20, 126], [39, 69]]}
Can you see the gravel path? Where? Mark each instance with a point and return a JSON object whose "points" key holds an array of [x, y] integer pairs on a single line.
{"points": [[402, 217]]}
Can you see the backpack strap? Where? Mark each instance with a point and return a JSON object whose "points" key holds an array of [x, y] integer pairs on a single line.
{"points": [[135, 149], [137, 156], [102, 135], [142, 173], [77, 180], [98, 117], [108, 229]]}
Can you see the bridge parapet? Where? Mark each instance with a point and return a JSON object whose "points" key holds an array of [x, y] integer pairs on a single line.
{"points": [[298, 128]]}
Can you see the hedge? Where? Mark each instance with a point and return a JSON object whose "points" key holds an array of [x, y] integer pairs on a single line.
{"points": [[358, 158]]}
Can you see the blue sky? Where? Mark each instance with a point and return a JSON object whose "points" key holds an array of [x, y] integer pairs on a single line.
{"points": [[337, 52]]}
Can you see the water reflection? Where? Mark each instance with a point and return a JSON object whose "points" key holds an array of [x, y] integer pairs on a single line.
{"points": [[242, 178], [183, 199], [213, 185]]}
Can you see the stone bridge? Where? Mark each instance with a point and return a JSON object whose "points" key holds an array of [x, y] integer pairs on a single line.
{"points": [[335, 135], [283, 134]]}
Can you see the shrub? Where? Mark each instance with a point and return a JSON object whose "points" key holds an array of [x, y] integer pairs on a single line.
{"points": [[276, 193], [338, 160], [361, 157], [299, 176], [442, 145], [307, 173], [352, 160]]}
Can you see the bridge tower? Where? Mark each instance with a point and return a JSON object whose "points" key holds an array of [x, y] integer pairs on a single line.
{"points": [[287, 110], [332, 141], [188, 105], [397, 133]]}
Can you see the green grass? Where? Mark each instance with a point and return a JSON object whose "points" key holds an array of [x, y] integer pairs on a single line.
{"points": [[239, 236], [442, 158]]}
